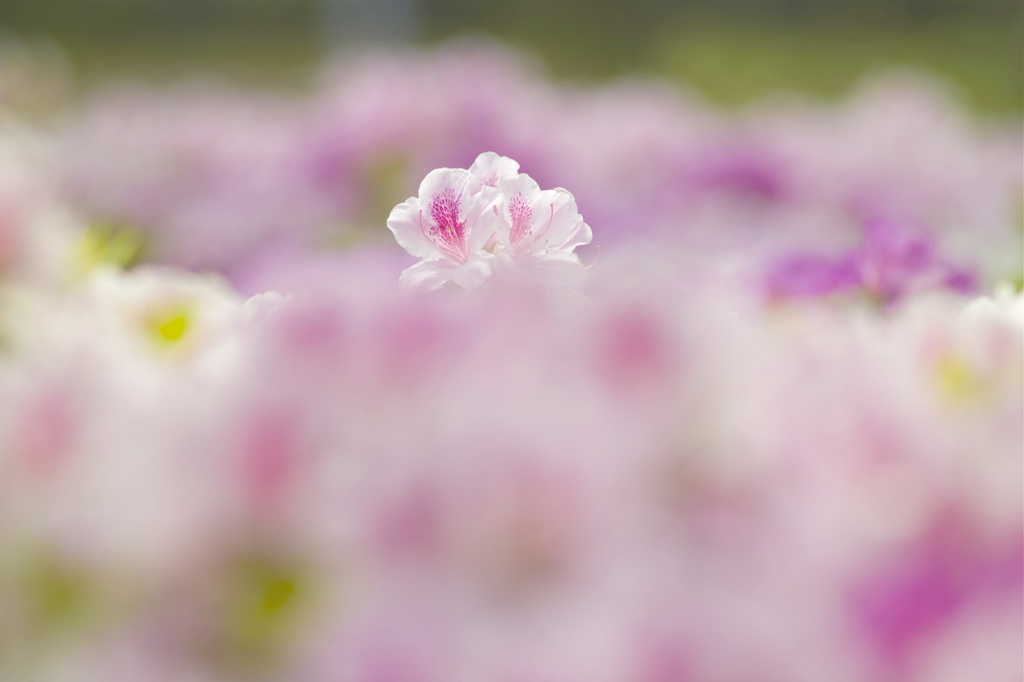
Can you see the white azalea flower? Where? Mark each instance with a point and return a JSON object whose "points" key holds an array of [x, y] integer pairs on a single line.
{"points": [[468, 226], [447, 225], [538, 232]]}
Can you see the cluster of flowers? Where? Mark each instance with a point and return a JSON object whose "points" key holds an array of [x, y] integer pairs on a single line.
{"points": [[489, 220], [516, 469]]}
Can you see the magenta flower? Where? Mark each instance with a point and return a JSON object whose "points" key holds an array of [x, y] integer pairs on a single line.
{"points": [[889, 263]]}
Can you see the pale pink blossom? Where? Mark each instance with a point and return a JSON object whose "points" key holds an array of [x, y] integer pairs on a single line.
{"points": [[447, 226], [538, 232], [468, 226]]}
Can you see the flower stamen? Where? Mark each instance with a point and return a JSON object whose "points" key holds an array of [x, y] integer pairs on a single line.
{"points": [[551, 219]]}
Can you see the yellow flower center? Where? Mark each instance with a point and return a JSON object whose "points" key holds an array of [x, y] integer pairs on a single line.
{"points": [[170, 326]]}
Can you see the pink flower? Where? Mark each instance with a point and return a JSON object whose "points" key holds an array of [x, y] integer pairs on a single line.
{"points": [[891, 263], [468, 226], [538, 231], [448, 226]]}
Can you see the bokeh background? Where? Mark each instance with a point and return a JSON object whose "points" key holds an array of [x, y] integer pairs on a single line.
{"points": [[770, 432], [734, 51]]}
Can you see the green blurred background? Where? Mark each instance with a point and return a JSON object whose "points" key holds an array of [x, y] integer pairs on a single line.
{"points": [[734, 51]]}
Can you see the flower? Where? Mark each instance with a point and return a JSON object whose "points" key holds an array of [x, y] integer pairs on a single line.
{"points": [[469, 225], [890, 263], [538, 231], [447, 225]]}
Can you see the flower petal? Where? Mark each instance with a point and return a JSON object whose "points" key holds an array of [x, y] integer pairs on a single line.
{"points": [[489, 168], [474, 273], [559, 269], [437, 181], [404, 223], [567, 229], [522, 213], [580, 236], [428, 275], [481, 218]]}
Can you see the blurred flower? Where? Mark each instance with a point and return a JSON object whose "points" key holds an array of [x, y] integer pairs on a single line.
{"points": [[890, 263], [677, 479]]}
